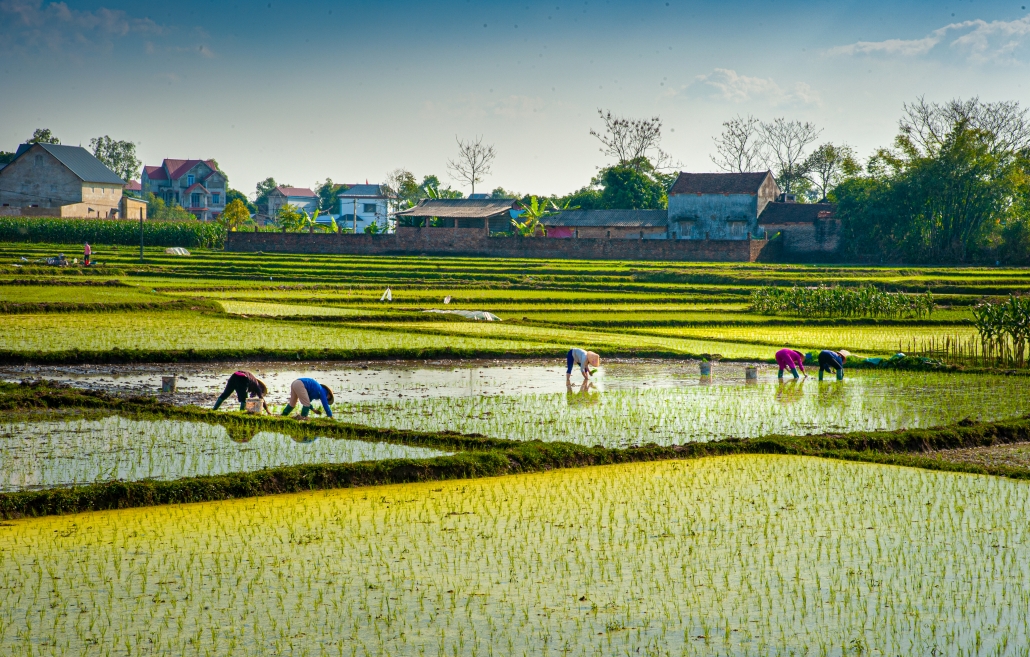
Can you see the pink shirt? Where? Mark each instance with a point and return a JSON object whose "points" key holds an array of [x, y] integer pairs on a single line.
{"points": [[787, 358]]}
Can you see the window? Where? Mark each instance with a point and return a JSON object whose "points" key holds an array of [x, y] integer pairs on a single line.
{"points": [[215, 198], [194, 200], [369, 208], [190, 180], [737, 229], [38, 161]]}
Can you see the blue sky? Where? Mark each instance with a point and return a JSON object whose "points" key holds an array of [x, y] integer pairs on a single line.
{"points": [[307, 90]]}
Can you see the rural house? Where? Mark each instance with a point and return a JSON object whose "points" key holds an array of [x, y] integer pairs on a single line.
{"points": [[196, 185], [61, 181], [719, 206], [365, 202], [805, 230], [611, 224], [302, 198], [482, 215]]}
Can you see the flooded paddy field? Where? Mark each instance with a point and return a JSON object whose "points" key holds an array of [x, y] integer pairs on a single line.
{"points": [[748, 555], [49, 454], [633, 402]]}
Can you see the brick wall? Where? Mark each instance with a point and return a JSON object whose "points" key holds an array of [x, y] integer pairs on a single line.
{"points": [[803, 238], [456, 241]]}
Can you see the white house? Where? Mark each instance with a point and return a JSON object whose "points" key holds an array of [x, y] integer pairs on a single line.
{"points": [[303, 198], [365, 202]]}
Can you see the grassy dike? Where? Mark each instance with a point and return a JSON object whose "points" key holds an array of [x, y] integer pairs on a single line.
{"points": [[476, 456]]}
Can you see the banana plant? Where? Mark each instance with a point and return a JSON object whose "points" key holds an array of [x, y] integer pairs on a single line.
{"points": [[533, 212]]}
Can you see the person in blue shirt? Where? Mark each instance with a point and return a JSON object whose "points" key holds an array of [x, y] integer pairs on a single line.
{"points": [[304, 391], [830, 361]]}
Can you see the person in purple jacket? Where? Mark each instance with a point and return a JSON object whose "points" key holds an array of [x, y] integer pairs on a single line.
{"points": [[790, 359], [304, 391]]}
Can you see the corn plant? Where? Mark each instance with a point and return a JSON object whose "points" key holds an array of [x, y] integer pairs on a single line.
{"points": [[822, 301]]}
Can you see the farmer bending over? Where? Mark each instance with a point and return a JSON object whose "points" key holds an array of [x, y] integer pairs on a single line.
{"points": [[833, 360], [244, 384], [305, 390], [584, 359], [790, 359]]}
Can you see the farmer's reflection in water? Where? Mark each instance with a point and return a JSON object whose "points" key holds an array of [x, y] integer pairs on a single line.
{"points": [[585, 395], [789, 392]]}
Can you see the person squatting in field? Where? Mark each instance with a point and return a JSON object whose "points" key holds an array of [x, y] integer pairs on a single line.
{"points": [[244, 384], [791, 359], [584, 359], [304, 391], [833, 361]]}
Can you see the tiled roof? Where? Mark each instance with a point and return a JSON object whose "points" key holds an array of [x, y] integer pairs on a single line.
{"points": [[156, 173], [796, 213], [718, 183], [362, 191], [605, 218], [459, 208], [295, 191], [178, 168], [133, 186], [195, 187], [79, 161]]}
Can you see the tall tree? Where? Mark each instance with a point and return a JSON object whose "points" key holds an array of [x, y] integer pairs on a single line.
{"points": [[236, 195], [1003, 125], [473, 161], [402, 190], [43, 136], [234, 217], [632, 140], [828, 165], [632, 186], [263, 189], [740, 148], [119, 156], [787, 143], [327, 191]]}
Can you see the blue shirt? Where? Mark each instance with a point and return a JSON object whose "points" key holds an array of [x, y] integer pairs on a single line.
{"points": [[316, 391], [833, 355]]}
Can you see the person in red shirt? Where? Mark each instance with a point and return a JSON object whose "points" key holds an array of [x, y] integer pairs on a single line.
{"points": [[86, 253], [790, 359]]}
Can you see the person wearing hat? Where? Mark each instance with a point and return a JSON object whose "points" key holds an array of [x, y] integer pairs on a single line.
{"points": [[833, 360], [790, 359], [584, 359], [304, 391], [244, 384]]}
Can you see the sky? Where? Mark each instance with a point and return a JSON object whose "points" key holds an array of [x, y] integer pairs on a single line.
{"points": [[313, 89]]}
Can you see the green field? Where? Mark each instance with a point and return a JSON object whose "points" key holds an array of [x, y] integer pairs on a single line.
{"points": [[727, 516]]}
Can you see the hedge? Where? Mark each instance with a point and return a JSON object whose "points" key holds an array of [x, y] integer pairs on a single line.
{"points": [[189, 234]]}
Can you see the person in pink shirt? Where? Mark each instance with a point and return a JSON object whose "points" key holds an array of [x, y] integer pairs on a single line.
{"points": [[790, 359]]}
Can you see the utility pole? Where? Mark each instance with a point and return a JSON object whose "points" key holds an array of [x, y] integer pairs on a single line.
{"points": [[355, 216], [141, 234]]}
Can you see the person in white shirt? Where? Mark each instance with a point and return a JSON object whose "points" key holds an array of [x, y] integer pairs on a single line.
{"points": [[584, 360]]}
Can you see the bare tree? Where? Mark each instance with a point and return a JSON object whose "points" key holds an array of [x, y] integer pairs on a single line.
{"points": [[740, 148], [828, 165], [787, 142], [473, 161], [630, 139], [928, 125]]}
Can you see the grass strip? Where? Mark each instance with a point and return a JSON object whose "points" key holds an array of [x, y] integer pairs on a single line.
{"points": [[488, 457]]}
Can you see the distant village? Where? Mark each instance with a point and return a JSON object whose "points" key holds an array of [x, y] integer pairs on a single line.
{"points": [[45, 179]]}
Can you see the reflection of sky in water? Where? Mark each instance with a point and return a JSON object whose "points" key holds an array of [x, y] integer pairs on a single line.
{"points": [[49, 454]]}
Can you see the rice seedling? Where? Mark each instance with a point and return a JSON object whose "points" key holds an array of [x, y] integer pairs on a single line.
{"points": [[750, 555], [38, 455]]}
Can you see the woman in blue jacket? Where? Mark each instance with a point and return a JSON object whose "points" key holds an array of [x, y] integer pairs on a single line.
{"points": [[304, 391], [833, 361]]}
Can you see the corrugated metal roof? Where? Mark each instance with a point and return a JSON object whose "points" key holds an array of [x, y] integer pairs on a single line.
{"points": [[613, 218], [796, 213], [460, 208], [718, 183], [362, 191], [79, 161]]}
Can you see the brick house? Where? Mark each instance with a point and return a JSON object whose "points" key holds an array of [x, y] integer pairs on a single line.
{"points": [[610, 224], [305, 199], [719, 206], [58, 180], [805, 229], [196, 185]]}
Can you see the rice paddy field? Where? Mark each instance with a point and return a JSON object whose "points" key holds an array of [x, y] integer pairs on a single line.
{"points": [[464, 500]]}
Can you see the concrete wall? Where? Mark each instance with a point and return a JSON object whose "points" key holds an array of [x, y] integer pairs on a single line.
{"points": [[719, 216], [40, 185], [615, 232], [456, 241], [820, 237]]}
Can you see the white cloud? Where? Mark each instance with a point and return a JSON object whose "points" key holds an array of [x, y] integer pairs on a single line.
{"points": [[729, 85], [979, 40]]}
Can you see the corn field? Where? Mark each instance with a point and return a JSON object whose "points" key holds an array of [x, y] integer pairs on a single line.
{"points": [[1004, 330], [866, 301], [190, 234]]}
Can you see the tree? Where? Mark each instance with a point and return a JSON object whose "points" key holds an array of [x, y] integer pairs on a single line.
{"points": [[327, 191], [787, 142], [234, 217], [1003, 125], [6, 157], [159, 211], [402, 190], [291, 218], [237, 195], [632, 140], [119, 156], [630, 186], [502, 193], [263, 189], [740, 148], [43, 136], [473, 161], [430, 188], [828, 165]]}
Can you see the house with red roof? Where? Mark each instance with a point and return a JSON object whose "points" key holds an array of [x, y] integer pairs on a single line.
{"points": [[196, 185], [303, 198]]}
